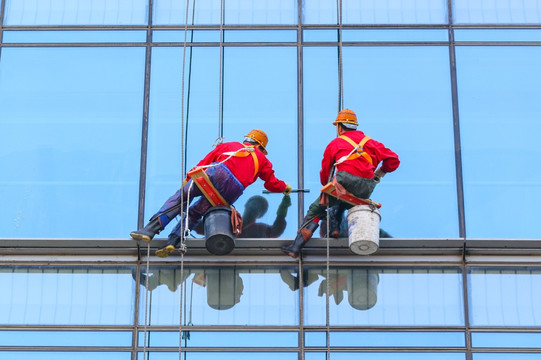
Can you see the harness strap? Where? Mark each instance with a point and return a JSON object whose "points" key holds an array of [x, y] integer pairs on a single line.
{"points": [[357, 150], [348, 197], [247, 150], [202, 181]]}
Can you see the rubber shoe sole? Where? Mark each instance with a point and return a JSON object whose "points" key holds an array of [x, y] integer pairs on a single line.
{"points": [[290, 253], [136, 236], [165, 252]]}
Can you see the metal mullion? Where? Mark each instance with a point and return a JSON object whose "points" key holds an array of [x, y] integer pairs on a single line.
{"points": [[456, 127], [60, 45], [2, 7], [142, 177], [300, 115], [73, 27]]}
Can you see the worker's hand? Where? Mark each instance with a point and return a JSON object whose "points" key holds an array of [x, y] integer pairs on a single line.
{"points": [[282, 208], [288, 189], [378, 174], [185, 182]]}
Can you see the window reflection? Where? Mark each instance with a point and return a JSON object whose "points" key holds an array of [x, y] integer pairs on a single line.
{"points": [[218, 296], [402, 97], [379, 296], [255, 208], [398, 12], [78, 12], [220, 355], [496, 12], [200, 12], [79, 112], [67, 296], [505, 296], [487, 112], [264, 95]]}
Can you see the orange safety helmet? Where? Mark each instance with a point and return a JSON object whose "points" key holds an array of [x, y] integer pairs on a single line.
{"points": [[260, 137], [346, 116]]}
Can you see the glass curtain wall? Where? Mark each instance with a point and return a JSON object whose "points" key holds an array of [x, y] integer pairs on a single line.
{"points": [[105, 105], [97, 123]]}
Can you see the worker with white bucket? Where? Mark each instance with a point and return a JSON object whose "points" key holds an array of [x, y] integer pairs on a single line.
{"points": [[349, 173]]}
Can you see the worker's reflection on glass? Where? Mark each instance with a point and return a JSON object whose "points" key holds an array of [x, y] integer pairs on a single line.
{"points": [[224, 285], [255, 208], [359, 283]]}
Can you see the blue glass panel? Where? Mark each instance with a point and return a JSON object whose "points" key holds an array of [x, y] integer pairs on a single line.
{"points": [[260, 36], [260, 92], [384, 297], [319, 12], [67, 296], [166, 142], [399, 356], [71, 123], [394, 35], [220, 296], [497, 34], [496, 12], [402, 97], [255, 12], [387, 339], [505, 356], [75, 12], [507, 339], [320, 35], [499, 106], [220, 339], [505, 297], [220, 355], [178, 36], [117, 36], [65, 338], [320, 99], [398, 339], [65, 355], [394, 12], [315, 356], [205, 12]]}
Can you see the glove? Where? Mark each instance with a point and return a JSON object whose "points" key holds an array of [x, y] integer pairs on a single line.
{"points": [[378, 175], [288, 189], [282, 208]]}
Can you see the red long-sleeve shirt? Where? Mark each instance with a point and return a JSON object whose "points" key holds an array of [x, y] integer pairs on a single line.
{"points": [[360, 166], [243, 167]]}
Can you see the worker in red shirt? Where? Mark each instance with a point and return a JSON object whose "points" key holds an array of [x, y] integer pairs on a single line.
{"points": [[231, 167], [355, 159]]}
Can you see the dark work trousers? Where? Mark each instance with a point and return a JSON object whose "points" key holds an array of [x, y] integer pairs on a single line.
{"points": [[358, 186], [223, 180]]}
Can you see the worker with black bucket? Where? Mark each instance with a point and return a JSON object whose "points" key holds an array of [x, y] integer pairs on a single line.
{"points": [[355, 157], [220, 178]]}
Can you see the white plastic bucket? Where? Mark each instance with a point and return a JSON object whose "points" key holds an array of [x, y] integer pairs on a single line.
{"points": [[363, 229]]}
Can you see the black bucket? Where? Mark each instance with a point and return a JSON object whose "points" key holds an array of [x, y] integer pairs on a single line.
{"points": [[218, 230]]}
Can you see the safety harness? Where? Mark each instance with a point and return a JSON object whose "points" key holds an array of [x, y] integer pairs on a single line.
{"points": [[357, 150], [202, 181], [343, 194]]}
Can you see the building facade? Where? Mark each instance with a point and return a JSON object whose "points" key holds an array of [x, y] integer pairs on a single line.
{"points": [[105, 105]]}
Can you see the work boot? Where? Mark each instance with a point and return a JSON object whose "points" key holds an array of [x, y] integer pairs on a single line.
{"points": [[147, 233], [169, 247], [303, 236]]}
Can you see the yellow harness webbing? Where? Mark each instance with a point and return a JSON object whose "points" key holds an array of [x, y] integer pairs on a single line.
{"points": [[357, 150], [247, 150]]}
